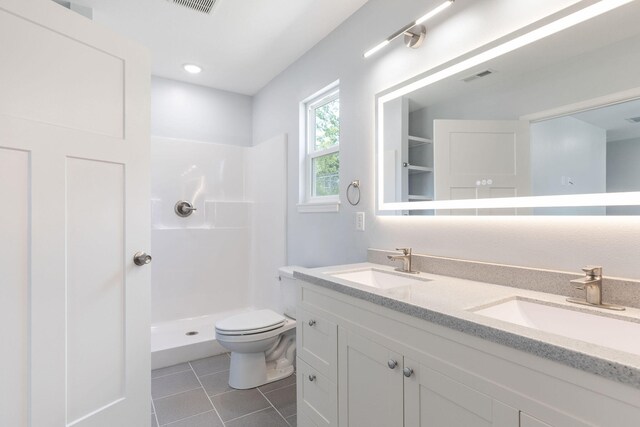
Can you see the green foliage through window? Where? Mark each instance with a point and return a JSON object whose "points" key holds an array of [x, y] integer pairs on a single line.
{"points": [[325, 169], [327, 130], [326, 175]]}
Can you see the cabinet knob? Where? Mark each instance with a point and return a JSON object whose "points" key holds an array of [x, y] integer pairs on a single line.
{"points": [[392, 364], [312, 322], [407, 372], [312, 377]]}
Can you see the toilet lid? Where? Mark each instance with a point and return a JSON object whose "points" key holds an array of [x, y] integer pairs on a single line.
{"points": [[252, 321]]}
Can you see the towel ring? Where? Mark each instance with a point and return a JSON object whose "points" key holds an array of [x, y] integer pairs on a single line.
{"points": [[356, 186]]}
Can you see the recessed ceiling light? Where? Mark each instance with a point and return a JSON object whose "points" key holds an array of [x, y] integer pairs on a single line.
{"points": [[192, 68]]}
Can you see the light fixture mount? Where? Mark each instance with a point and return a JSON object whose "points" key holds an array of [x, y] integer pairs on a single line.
{"points": [[414, 32], [414, 36]]}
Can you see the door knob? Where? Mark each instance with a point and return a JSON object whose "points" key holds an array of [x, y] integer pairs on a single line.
{"points": [[312, 377], [407, 372], [312, 322], [141, 258], [392, 364]]}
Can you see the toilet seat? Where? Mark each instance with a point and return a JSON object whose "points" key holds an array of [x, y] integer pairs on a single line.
{"points": [[256, 336], [250, 323]]}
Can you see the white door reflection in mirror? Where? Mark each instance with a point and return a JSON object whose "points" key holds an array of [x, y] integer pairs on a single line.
{"points": [[477, 159]]}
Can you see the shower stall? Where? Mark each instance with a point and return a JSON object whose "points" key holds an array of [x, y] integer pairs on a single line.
{"points": [[223, 258]]}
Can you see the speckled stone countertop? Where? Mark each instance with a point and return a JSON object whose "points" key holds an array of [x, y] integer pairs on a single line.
{"points": [[451, 302]]}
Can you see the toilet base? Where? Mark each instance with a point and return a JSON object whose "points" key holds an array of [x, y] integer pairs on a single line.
{"points": [[250, 370]]}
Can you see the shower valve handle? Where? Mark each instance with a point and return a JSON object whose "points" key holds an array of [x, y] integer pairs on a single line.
{"points": [[184, 208]]}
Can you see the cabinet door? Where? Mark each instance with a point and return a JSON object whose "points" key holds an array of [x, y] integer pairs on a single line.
{"points": [[370, 385], [435, 400]]}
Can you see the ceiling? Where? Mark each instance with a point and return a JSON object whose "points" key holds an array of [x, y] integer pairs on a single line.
{"points": [[613, 119], [241, 45]]}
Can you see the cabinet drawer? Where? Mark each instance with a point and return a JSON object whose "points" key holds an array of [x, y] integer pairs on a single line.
{"points": [[317, 343], [317, 396]]}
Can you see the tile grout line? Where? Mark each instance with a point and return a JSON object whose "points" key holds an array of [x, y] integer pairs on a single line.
{"points": [[273, 406], [175, 394], [155, 413], [172, 373], [183, 419], [250, 413], [279, 388], [207, 394]]}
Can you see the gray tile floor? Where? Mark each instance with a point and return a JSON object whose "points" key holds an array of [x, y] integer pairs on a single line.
{"points": [[197, 394]]}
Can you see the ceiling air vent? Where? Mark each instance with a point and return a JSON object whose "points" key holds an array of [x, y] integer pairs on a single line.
{"points": [[204, 6], [634, 120], [479, 75]]}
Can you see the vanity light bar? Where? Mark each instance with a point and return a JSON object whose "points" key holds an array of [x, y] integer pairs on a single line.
{"points": [[409, 26]]}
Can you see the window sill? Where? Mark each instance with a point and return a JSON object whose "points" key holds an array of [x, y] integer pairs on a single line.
{"points": [[319, 207]]}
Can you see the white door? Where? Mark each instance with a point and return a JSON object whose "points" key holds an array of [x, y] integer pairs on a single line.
{"points": [[74, 185], [476, 159]]}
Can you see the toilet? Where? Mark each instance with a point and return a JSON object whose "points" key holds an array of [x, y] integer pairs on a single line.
{"points": [[262, 342]]}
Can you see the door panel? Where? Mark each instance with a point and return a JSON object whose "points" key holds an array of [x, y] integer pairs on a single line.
{"points": [[364, 372], [96, 298], [488, 158], [98, 77], [15, 188]]}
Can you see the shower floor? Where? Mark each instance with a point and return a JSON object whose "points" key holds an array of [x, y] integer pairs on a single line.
{"points": [[188, 339], [197, 394]]}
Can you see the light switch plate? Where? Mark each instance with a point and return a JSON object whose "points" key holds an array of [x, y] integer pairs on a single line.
{"points": [[359, 221]]}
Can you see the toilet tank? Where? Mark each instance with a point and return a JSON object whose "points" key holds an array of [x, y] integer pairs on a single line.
{"points": [[288, 290]]}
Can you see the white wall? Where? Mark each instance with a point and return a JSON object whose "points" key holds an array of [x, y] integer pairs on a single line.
{"points": [[266, 177], [564, 243], [568, 156], [623, 173], [192, 112]]}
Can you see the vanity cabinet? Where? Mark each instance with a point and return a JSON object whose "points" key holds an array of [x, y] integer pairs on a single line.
{"points": [[381, 387], [353, 356]]}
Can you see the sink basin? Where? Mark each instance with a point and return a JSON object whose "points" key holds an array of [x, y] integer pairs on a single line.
{"points": [[593, 328], [378, 279]]}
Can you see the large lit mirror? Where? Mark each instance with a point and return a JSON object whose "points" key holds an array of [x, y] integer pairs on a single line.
{"points": [[550, 127]]}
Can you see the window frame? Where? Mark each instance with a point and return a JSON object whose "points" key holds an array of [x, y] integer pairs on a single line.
{"points": [[309, 202]]}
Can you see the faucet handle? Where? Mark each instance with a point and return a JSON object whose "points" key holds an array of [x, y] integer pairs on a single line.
{"points": [[405, 251], [592, 271]]}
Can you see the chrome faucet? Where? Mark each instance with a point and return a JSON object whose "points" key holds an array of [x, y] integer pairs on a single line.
{"points": [[406, 260], [591, 283]]}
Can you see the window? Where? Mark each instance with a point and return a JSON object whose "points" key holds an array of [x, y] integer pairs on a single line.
{"points": [[321, 138]]}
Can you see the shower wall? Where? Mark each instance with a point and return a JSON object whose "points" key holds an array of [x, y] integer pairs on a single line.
{"points": [[224, 257], [200, 262]]}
